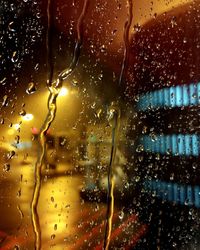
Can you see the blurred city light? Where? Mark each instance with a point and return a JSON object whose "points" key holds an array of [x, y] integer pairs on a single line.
{"points": [[64, 91], [16, 126], [28, 117]]}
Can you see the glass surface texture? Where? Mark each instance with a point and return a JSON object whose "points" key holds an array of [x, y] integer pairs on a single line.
{"points": [[99, 124]]}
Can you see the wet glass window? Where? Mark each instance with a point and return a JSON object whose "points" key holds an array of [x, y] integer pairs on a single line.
{"points": [[99, 124]]}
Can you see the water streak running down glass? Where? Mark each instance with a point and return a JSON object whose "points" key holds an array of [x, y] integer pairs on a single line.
{"points": [[54, 89], [114, 120], [126, 38]]}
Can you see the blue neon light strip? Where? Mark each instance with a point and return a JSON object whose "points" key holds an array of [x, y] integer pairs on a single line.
{"points": [[183, 145], [178, 96], [173, 192]]}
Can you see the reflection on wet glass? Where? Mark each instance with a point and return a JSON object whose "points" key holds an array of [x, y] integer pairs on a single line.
{"points": [[145, 193], [127, 27], [113, 118], [54, 89]]}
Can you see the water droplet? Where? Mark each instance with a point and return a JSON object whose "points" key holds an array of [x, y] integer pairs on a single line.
{"points": [[113, 115], [5, 101], [168, 151], [155, 15], [36, 67], [157, 157], [96, 208], [121, 215], [10, 27], [99, 113], [6, 167], [103, 48], [74, 82], [10, 154], [19, 193], [14, 57], [137, 28], [3, 81], [173, 21], [144, 130], [12, 7], [137, 178], [137, 98], [17, 139], [184, 40], [53, 236], [114, 31], [153, 136], [194, 165], [31, 88], [140, 158], [172, 177], [93, 105], [100, 76], [140, 148], [63, 142], [38, 15], [22, 112]]}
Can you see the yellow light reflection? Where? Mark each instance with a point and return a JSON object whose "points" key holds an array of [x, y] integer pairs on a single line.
{"points": [[10, 132], [16, 126], [64, 208], [28, 117], [64, 91]]}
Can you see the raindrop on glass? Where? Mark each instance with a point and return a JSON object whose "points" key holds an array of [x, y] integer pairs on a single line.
{"points": [[31, 88]]}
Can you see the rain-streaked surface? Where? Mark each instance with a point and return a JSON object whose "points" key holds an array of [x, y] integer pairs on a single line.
{"points": [[99, 124], [67, 220]]}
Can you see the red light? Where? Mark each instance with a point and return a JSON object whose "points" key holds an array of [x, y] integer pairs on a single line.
{"points": [[34, 131]]}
